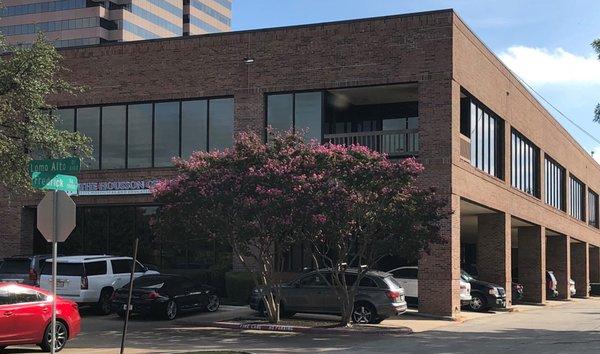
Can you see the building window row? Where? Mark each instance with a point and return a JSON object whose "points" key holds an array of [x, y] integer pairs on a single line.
{"points": [[525, 162], [225, 3], [151, 134], [137, 30], [76, 42], [165, 5], [485, 131], [31, 28], [193, 20], [577, 201], [554, 183], [176, 29], [211, 12], [41, 7]]}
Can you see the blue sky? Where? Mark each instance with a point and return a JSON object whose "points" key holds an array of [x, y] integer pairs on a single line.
{"points": [[546, 42]]}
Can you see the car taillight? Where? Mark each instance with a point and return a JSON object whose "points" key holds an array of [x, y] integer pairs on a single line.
{"points": [[153, 295], [32, 275], [463, 287], [393, 295], [84, 283]]}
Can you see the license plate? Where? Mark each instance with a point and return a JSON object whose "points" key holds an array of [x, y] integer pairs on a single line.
{"points": [[60, 284], [125, 307]]}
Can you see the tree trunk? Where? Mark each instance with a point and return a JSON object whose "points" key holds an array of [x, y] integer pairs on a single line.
{"points": [[272, 307], [347, 307]]}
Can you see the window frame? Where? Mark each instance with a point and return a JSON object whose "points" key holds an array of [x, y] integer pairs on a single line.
{"points": [[530, 156]]}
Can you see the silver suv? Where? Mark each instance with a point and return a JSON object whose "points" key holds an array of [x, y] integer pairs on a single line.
{"points": [[22, 269], [379, 296]]}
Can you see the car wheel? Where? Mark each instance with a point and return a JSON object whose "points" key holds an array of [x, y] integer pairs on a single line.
{"points": [[170, 310], [61, 337], [364, 313], [103, 307], [478, 303], [213, 303]]}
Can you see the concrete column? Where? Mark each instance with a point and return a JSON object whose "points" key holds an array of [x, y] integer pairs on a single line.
{"points": [[580, 268], [494, 250], [532, 263], [594, 264], [439, 271], [558, 256]]}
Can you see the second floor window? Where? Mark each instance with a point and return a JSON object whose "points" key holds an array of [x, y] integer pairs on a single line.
{"points": [[296, 112], [485, 131], [577, 201], [525, 166], [593, 209], [554, 184]]}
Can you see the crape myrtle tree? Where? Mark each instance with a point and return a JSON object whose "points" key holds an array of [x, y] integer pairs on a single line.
{"points": [[596, 46], [350, 204], [28, 76], [367, 208]]}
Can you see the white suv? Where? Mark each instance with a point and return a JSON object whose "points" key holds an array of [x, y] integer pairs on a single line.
{"points": [[90, 280], [408, 278]]}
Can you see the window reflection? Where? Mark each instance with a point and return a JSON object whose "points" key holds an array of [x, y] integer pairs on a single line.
{"points": [[139, 153], [220, 122], [88, 124], [166, 133], [113, 137]]}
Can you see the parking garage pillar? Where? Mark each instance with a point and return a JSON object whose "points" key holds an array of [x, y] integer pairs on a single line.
{"points": [[594, 264], [558, 256], [532, 263], [494, 250], [580, 268]]}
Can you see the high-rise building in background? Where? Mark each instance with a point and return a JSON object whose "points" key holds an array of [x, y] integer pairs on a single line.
{"points": [[82, 22]]}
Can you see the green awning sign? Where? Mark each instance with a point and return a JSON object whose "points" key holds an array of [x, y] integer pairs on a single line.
{"points": [[66, 166], [54, 181]]}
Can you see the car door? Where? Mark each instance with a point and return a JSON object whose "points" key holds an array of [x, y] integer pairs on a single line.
{"points": [[310, 293], [8, 331], [180, 290], [121, 269], [68, 280], [30, 313]]}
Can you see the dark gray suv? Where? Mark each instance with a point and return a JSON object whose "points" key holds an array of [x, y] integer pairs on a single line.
{"points": [[379, 296], [22, 269]]}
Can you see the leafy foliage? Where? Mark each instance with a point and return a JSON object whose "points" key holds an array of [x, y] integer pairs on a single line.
{"points": [[596, 46], [350, 204], [27, 77]]}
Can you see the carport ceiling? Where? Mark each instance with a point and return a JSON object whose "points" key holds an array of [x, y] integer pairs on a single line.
{"points": [[467, 208]]}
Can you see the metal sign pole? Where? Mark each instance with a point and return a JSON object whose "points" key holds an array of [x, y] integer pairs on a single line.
{"points": [[54, 267], [135, 249]]}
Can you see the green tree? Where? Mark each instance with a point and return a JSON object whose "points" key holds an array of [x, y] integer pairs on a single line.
{"points": [[28, 76], [596, 46]]}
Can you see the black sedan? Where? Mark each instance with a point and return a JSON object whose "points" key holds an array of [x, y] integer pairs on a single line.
{"points": [[484, 295], [165, 296]]}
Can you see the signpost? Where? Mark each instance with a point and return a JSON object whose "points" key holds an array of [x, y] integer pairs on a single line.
{"points": [[56, 211]]}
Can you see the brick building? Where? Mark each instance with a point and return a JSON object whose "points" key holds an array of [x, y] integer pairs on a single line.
{"points": [[522, 190]]}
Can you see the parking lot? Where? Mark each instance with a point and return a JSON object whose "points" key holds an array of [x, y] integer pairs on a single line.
{"points": [[566, 327]]}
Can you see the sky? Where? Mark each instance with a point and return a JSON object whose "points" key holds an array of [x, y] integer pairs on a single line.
{"points": [[546, 43]]}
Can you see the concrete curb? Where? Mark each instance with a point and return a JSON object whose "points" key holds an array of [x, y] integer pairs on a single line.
{"points": [[300, 329]]}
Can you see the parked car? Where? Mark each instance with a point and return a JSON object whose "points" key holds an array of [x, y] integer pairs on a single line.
{"points": [[408, 277], [91, 280], [551, 285], [22, 269], [572, 289], [484, 295], [166, 296], [379, 296], [26, 317]]}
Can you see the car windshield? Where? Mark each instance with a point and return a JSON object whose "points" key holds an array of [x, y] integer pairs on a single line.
{"points": [[392, 283], [15, 266], [466, 276]]}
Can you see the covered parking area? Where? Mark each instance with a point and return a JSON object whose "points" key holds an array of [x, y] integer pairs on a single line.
{"points": [[502, 249]]}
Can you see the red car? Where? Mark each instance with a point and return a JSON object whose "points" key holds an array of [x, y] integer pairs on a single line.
{"points": [[26, 316]]}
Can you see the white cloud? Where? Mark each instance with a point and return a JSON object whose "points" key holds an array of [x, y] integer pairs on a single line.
{"points": [[596, 153], [539, 66]]}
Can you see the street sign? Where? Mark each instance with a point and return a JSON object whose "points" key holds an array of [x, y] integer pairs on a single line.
{"points": [[53, 181], [66, 166], [56, 213]]}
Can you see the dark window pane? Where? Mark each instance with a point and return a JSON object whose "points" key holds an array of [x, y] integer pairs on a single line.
{"points": [[95, 268], [309, 114], [139, 153], [121, 266], [149, 249], [166, 133], [194, 124], [113, 137], [15, 266], [96, 230], [121, 230], [23, 295], [220, 124], [88, 124], [65, 119], [66, 269], [5, 296], [280, 110]]}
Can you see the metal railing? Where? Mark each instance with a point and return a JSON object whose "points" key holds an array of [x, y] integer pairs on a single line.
{"points": [[395, 143]]}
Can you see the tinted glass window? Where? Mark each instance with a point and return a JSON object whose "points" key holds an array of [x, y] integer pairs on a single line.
{"points": [[15, 266], [95, 268], [5, 298], [166, 133], [139, 153], [113, 137], [220, 128], [194, 125], [280, 112], [88, 124], [22, 295], [309, 114], [405, 273], [313, 280], [66, 269], [65, 119], [120, 266]]}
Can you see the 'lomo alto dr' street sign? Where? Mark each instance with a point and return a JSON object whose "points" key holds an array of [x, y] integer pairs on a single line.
{"points": [[53, 181], [66, 166]]}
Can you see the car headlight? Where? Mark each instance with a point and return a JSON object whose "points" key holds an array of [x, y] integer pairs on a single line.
{"points": [[493, 291]]}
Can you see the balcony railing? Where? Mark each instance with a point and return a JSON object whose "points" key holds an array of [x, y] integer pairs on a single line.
{"points": [[395, 143]]}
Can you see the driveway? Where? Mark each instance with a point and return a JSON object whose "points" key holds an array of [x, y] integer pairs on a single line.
{"points": [[569, 328]]}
